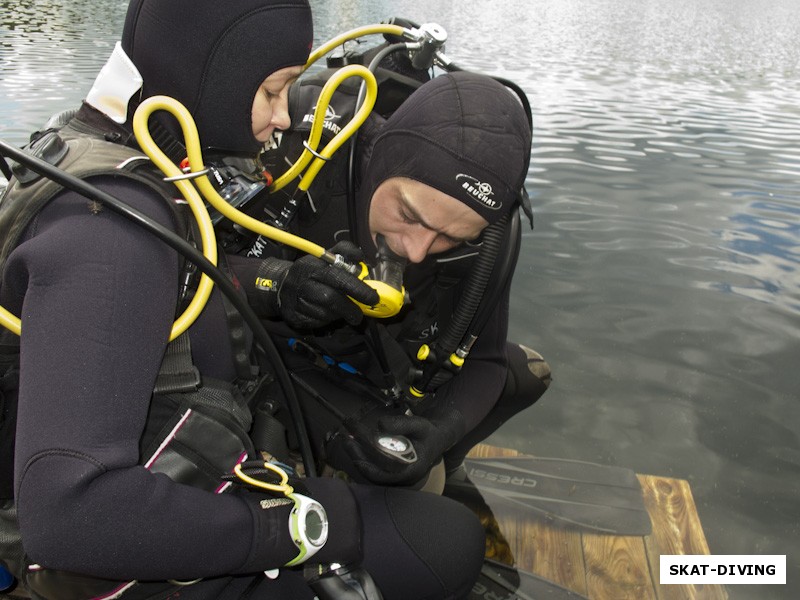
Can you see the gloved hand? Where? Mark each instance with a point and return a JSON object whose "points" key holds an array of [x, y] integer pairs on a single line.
{"points": [[431, 436], [310, 293]]}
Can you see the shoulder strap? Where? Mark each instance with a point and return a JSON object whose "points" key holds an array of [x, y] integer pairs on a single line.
{"points": [[84, 157], [178, 373]]}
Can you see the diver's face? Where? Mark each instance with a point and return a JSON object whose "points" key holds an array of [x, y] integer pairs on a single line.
{"points": [[418, 220], [271, 104]]}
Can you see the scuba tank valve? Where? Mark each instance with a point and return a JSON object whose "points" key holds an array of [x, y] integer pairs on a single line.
{"points": [[431, 41]]}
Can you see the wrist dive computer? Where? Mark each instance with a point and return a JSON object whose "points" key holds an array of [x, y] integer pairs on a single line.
{"points": [[308, 526]]}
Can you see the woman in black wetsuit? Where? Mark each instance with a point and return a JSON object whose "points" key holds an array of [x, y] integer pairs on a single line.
{"points": [[98, 436]]}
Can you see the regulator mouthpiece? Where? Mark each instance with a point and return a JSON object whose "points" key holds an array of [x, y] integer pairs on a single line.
{"points": [[386, 279], [389, 267]]}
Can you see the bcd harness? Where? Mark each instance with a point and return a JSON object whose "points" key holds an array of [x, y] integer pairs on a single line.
{"points": [[197, 428]]}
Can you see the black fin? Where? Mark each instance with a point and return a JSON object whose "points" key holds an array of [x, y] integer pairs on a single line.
{"points": [[568, 492], [503, 582]]}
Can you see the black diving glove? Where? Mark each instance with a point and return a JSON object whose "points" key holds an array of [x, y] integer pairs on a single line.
{"points": [[309, 293], [431, 436]]}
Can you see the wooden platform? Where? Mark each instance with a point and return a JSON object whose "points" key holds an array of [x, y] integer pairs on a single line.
{"points": [[607, 567]]}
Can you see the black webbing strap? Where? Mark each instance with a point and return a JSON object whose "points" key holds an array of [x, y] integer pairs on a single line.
{"points": [[178, 373]]}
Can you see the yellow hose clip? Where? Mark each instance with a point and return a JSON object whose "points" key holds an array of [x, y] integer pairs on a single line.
{"points": [[423, 353], [281, 487], [457, 361], [415, 392]]}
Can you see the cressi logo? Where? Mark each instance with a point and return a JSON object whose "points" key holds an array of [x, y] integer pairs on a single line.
{"points": [[491, 477], [478, 190]]}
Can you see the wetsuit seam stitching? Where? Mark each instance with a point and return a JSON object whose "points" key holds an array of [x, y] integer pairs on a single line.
{"points": [[410, 545], [62, 452]]}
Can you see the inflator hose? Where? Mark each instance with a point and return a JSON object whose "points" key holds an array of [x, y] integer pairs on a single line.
{"points": [[469, 302], [503, 269], [501, 274]]}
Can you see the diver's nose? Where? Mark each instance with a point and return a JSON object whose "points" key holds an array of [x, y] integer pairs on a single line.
{"points": [[280, 118], [418, 244]]}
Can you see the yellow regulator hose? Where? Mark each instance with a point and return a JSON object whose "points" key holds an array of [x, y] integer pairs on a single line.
{"points": [[208, 239], [352, 34], [198, 175], [10, 321], [181, 181], [319, 121], [278, 235]]}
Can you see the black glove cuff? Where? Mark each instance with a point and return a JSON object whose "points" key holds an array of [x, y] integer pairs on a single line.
{"points": [[269, 278], [450, 422]]}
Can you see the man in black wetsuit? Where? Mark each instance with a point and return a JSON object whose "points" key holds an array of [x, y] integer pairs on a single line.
{"points": [[430, 179], [118, 469]]}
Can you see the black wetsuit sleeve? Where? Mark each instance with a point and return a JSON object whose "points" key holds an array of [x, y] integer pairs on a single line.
{"points": [[97, 297]]}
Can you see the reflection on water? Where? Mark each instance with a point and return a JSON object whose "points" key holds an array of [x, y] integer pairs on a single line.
{"points": [[661, 281], [50, 53]]}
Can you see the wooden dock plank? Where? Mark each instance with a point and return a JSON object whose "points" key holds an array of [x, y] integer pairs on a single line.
{"points": [[554, 553], [605, 567], [616, 567], [676, 530]]}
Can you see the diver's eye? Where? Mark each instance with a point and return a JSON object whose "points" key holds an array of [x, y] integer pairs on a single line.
{"points": [[408, 219]]}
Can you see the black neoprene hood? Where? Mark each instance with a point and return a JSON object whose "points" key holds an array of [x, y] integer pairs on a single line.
{"points": [[463, 134], [212, 56]]}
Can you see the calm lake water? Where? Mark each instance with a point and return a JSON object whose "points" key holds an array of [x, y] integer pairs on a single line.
{"points": [[661, 280]]}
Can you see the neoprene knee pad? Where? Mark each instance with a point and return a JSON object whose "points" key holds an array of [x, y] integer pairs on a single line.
{"points": [[419, 545], [529, 375]]}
